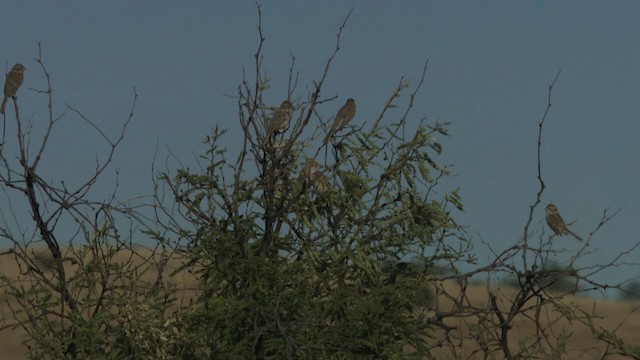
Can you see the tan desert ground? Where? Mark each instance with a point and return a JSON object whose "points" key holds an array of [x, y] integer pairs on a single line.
{"points": [[620, 317]]}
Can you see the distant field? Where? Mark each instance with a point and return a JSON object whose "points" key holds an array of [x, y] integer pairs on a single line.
{"points": [[619, 316], [612, 315]]}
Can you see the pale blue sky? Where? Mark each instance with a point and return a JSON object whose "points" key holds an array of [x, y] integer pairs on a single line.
{"points": [[490, 65]]}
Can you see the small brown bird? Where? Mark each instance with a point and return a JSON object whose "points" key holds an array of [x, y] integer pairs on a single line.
{"points": [[316, 178], [12, 84], [310, 168], [345, 114], [280, 120], [321, 183], [556, 223]]}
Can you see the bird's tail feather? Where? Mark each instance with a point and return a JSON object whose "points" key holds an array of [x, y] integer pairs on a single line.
{"points": [[4, 104], [574, 235]]}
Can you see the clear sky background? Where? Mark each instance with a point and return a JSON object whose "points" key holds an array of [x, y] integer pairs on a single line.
{"points": [[490, 64]]}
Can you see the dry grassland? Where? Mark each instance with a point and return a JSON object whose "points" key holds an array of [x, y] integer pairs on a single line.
{"points": [[623, 317]]}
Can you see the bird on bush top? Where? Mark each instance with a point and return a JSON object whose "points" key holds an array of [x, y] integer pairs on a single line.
{"points": [[280, 120], [556, 223], [345, 114], [12, 84]]}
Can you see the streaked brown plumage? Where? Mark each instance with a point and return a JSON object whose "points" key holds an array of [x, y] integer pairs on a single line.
{"points": [[310, 167], [320, 183], [345, 114], [12, 84], [280, 120], [316, 178], [556, 223]]}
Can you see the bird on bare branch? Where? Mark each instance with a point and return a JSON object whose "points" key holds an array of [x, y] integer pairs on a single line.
{"points": [[345, 114], [557, 224], [12, 84], [280, 120]]}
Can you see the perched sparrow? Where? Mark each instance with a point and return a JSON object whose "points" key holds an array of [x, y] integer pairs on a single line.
{"points": [[320, 183], [310, 168], [345, 114], [316, 178], [12, 84], [279, 122], [556, 223]]}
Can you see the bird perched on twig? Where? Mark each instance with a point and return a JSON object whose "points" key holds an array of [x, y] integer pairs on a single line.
{"points": [[280, 120], [345, 114], [12, 84], [556, 223], [315, 177]]}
